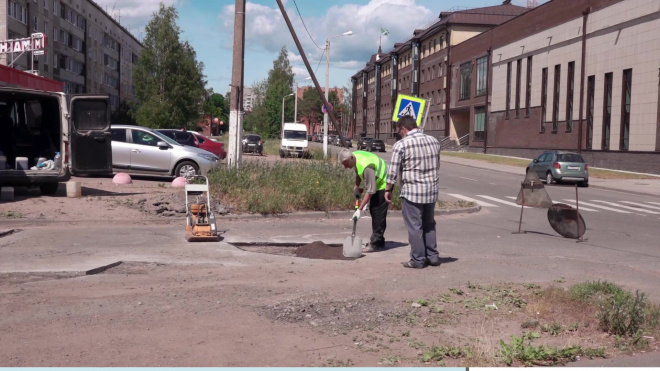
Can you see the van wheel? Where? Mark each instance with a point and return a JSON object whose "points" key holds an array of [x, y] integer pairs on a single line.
{"points": [[186, 168], [49, 189]]}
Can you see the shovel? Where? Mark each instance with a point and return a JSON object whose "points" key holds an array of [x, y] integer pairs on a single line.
{"points": [[353, 245]]}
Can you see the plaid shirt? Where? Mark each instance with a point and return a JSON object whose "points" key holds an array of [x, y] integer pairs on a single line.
{"points": [[416, 158]]}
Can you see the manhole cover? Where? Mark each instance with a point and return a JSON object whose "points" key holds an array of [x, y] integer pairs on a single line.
{"points": [[314, 250], [566, 221]]}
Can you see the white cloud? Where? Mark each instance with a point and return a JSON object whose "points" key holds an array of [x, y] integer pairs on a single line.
{"points": [[134, 14], [267, 31]]}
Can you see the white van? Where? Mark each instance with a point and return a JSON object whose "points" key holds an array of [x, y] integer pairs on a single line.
{"points": [[294, 141], [35, 125]]}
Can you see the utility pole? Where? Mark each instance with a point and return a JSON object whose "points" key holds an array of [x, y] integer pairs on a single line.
{"points": [[309, 67], [327, 107], [236, 102]]}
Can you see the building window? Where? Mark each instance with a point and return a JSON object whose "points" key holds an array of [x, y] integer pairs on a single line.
{"points": [[544, 97], [607, 112], [17, 12], [528, 90], [555, 99], [570, 89], [508, 90], [482, 76], [624, 144], [479, 123], [518, 86], [35, 23], [466, 81], [46, 4], [591, 86]]}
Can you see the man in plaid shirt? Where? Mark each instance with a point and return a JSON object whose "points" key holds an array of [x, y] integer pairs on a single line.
{"points": [[415, 163]]}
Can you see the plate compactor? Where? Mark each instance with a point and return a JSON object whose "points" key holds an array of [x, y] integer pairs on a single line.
{"points": [[200, 222]]}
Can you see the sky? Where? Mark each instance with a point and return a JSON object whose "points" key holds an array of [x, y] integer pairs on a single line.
{"points": [[208, 25]]}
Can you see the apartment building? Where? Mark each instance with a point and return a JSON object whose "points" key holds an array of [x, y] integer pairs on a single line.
{"points": [[418, 67], [576, 75], [86, 49]]}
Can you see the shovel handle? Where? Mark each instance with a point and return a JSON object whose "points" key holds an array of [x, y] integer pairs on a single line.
{"points": [[354, 225]]}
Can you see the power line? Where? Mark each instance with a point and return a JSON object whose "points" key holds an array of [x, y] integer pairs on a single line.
{"points": [[303, 22], [317, 66]]}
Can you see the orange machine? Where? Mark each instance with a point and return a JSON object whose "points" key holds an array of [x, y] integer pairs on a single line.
{"points": [[200, 221]]}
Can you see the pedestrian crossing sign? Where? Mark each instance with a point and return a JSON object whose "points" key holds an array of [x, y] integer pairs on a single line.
{"points": [[411, 106]]}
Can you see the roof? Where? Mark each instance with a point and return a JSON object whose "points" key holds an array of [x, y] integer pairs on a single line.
{"points": [[485, 16]]}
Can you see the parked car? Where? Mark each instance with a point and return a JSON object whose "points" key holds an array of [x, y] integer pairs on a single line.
{"points": [[332, 139], [212, 146], [376, 145], [362, 143], [252, 143], [183, 137], [559, 166], [136, 149], [342, 140]]}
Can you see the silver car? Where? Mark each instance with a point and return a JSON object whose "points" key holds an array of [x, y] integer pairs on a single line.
{"points": [[558, 166], [136, 149]]}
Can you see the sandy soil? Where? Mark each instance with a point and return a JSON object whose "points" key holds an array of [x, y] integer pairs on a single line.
{"points": [[259, 309]]}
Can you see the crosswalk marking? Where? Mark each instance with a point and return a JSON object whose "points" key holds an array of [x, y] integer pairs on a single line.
{"points": [[599, 206], [501, 201], [622, 207], [627, 207], [640, 204], [482, 203], [569, 203]]}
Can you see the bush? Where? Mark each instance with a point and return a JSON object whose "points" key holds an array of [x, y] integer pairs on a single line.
{"points": [[622, 313], [283, 187]]}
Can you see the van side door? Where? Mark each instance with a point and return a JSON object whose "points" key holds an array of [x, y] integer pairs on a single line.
{"points": [[89, 128]]}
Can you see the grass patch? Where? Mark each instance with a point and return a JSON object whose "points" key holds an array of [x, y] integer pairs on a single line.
{"points": [[489, 158], [284, 187], [528, 354], [11, 215], [595, 173]]}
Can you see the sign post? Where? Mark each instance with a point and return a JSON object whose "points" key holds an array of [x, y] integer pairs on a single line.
{"points": [[409, 106], [36, 44]]}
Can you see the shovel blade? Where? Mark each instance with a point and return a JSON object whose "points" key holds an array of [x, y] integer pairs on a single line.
{"points": [[352, 247]]}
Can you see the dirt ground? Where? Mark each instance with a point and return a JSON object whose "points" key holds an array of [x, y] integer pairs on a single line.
{"points": [[267, 308]]}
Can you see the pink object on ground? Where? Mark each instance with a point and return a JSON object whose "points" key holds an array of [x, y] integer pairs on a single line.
{"points": [[179, 182], [122, 178]]}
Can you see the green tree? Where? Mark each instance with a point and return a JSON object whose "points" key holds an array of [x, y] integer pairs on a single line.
{"points": [[169, 82], [255, 120], [217, 107], [279, 84], [122, 114], [310, 106]]}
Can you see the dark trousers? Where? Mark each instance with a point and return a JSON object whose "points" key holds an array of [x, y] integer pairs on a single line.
{"points": [[420, 221], [378, 209]]}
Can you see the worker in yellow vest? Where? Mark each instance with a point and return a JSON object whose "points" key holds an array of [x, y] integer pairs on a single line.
{"points": [[372, 171]]}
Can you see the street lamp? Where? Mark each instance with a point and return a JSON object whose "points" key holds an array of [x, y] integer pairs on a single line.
{"points": [[282, 129], [327, 88]]}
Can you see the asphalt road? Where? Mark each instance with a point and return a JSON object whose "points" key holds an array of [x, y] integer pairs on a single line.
{"points": [[621, 241]]}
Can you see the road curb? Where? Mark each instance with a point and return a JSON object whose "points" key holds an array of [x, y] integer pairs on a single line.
{"points": [[337, 214]]}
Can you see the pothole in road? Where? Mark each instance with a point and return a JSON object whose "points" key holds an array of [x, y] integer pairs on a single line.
{"points": [[314, 250]]}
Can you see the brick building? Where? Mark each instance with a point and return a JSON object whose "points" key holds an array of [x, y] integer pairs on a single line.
{"points": [[578, 75], [418, 67]]}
